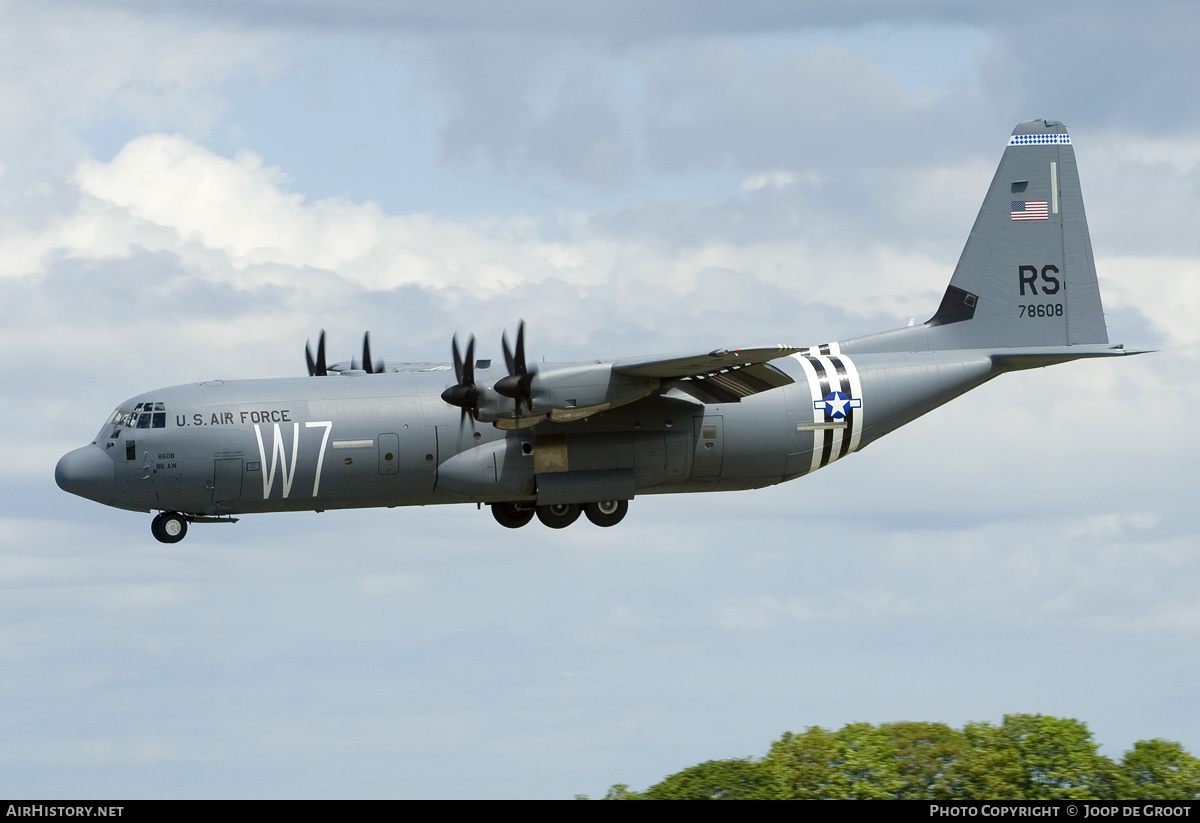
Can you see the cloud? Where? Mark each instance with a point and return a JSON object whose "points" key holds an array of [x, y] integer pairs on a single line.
{"points": [[234, 221], [97, 65]]}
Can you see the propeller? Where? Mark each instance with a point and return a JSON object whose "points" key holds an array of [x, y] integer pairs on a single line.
{"points": [[368, 366], [316, 368], [518, 383], [463, 394]]}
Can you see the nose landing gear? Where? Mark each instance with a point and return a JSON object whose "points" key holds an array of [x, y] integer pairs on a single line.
{"points": [[169, 527]]}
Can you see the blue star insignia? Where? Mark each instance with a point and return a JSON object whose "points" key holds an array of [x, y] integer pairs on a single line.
{"points": [[836, 404]]}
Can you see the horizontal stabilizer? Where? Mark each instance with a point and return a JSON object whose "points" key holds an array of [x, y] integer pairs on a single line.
{"points": [[1039, 356]]}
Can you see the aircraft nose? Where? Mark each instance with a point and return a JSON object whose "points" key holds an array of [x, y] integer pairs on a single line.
{"points": [[87, 472]]}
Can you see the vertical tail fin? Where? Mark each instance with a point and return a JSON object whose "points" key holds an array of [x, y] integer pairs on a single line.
{"points": [[1026, 277]]}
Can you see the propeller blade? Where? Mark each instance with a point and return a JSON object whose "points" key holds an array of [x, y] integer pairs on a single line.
{"points": [[468, 378], [370, 365], [458, 363], [464, 393], [509, 363], [316, 368], [518, 384], [521, 348]]}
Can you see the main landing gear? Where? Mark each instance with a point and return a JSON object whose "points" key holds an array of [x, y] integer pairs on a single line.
{"points": [[561, 515], [607, 513], [512, 515]]}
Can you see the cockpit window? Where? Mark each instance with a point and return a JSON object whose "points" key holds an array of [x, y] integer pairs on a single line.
{"points": [[141, 416]]}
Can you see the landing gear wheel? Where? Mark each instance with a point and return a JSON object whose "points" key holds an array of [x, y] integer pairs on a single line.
{"points": [[512, 515], [607, 512], [168, 527], [558, 516]]}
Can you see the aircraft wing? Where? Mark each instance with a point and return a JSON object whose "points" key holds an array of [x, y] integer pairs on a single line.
{"points": [[523, 396], [726, 374], [679, 366]]}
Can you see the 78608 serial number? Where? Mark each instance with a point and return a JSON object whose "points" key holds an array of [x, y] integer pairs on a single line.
{"points": [[1041, 310]]}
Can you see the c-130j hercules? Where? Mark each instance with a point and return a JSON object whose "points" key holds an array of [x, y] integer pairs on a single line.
{"points": [[572, 437]]}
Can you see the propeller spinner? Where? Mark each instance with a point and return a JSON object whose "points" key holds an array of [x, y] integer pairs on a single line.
{"points": [[518, 383], [463, 394]]}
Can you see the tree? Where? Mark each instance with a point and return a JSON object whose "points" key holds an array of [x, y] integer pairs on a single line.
{"points": [[1027, 757], [743, 779], [807, 764], [1033, 757], [925, 752], [859, 762], [1160, 770]]}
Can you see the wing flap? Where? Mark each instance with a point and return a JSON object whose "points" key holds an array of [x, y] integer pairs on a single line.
{"points": [[679, 366], [721, 376], [744, 381]]}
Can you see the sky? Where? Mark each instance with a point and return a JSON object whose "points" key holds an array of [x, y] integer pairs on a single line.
{"points": [[193, 190]]}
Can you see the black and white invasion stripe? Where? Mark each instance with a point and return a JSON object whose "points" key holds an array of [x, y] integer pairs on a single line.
{"points": [[827, 369]]}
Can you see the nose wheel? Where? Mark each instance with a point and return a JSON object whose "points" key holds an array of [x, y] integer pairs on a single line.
{"points": [[169, 527]]}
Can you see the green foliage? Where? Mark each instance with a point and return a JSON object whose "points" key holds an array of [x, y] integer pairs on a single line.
{"points": [[1033, 757], [1027, 757], [743, 779], [1161, 770], [925, 753], [858, 763], [620, 791]]}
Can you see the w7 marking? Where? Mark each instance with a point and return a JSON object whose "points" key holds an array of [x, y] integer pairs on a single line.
{"points": [[279, 457]]}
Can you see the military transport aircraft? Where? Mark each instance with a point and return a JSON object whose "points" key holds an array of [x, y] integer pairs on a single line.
{"points": [[567, 438]]}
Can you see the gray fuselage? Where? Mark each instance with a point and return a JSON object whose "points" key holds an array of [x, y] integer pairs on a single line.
{"points": [[357, 440]]}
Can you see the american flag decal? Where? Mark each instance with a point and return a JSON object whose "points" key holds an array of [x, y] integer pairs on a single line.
{"points": [[1030, 210]]}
